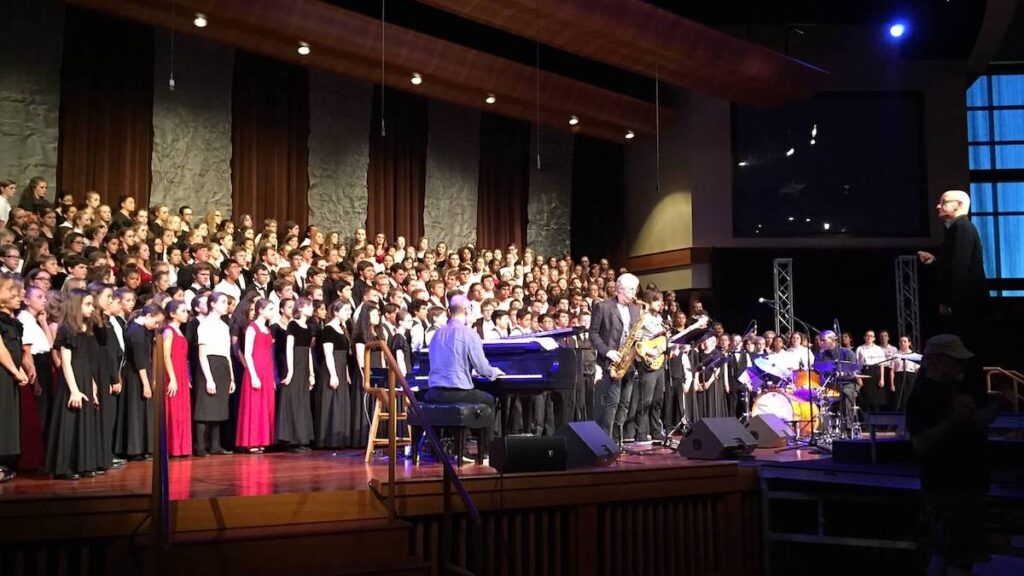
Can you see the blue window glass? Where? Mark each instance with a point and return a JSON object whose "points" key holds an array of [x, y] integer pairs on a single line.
{"points": [[1009, 156], [1007, 90], [977, 126], [977, 94], [1013, 292], [1011, 246], [980, 157], [1009, 124], [981, 197], [1011, 197], [987, 232]]}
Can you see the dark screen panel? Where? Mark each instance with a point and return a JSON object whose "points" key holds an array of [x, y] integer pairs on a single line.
{"points": [[842, 164]]}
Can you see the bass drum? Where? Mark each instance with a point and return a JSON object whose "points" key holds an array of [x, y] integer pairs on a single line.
{"points": [[789, 409]]}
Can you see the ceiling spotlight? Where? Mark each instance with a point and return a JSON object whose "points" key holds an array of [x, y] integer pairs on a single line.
{"points": [[200, 20], [807, 219], [897, 29], [573, 120], [790, 152], [304, 49], [743, 163], [630, 135], [826, 226], [791, 218], [416, 79], [812, 141], [491, 99]]}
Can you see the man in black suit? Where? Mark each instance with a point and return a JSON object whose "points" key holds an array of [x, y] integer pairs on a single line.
{"points": [[960, 268], [609, 326]]}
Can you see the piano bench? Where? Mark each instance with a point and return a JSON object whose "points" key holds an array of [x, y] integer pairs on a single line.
{"points": [[459, 416]]}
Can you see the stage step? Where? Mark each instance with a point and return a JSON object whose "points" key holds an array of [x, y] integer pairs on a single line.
{"points": [[360, 547]]}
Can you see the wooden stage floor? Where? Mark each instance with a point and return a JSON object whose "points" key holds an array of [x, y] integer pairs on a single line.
{"points": [[289, 473]]}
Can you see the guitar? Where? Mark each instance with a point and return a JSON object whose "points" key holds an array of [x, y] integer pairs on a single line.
{"points": [[652, 350]]}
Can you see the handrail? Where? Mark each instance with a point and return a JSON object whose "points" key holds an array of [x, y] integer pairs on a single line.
{"points": [[450, 476], [1016, 378]]}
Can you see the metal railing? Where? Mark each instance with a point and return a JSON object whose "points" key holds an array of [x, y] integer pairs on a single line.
{"points": [[450, 477], [1016, 381]]}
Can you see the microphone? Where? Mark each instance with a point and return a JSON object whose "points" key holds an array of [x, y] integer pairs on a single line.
{"points": [[767, 301]]}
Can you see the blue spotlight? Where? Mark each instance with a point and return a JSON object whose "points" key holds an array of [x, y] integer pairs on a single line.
{"points": [[897, 29]]}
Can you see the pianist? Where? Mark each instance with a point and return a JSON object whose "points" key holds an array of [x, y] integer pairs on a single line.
{"points": [[456, 351]]}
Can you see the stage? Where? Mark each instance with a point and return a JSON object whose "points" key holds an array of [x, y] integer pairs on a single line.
{"points": [[651, 512], [561, 519]]}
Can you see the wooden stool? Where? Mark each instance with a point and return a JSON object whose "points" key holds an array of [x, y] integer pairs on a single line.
{"points": [[381, 414]]}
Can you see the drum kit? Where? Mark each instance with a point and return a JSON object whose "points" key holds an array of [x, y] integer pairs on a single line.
{"points": [[808, 399]]}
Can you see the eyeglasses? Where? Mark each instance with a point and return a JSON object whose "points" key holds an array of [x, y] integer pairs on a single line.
{"points": [[944, 202]]}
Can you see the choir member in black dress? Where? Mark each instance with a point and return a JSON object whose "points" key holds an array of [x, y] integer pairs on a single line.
{"points": [[215, 381], [135, 432], [331, 398], [279, 330], [72, 448], [294, 416], [12, 378], [109, 374], [709, 392]]}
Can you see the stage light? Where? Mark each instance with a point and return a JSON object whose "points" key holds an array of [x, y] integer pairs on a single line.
{"points": [[791, 218], [303, 49], [790, 152], [630, 135], [897, 29], [743, 163], [814, 131], [573, 120], [416, 79], [812, 142], [826, 226], [808, 220], [491, 99], [200, 20]]}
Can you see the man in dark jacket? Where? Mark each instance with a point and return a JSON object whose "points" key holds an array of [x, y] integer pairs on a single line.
{"points": [[960, 268]]}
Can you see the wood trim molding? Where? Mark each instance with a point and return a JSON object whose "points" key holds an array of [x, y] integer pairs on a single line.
{"points": [[657, 261]]}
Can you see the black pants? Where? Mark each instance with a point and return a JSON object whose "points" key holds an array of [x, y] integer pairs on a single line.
{"points": [[644, 417], [611, 400], [437, 395]]}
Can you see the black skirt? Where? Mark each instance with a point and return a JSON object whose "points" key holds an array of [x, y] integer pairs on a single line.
{"points": [[73, 437], [331, 410], [10, 415], [212, 407], [133, 431], [293, 414]]}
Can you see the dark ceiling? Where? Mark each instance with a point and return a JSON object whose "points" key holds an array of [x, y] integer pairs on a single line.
{"points": [[939, 29]]}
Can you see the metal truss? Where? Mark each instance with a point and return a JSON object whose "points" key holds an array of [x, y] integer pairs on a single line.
{"points": [[908, 311], [783, 272]]}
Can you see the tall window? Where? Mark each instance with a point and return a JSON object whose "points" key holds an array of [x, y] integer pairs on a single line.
{"points": [[995, 134]]}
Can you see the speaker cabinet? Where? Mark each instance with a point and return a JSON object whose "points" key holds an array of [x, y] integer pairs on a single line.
{"points": [[528, 454], [769, 431], [717, 439], [588, 445]]}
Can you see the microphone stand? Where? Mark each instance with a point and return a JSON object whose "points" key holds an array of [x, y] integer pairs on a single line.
{"points": [[812, 440]]}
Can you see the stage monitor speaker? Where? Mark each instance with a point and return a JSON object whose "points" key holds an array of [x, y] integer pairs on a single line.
{"points": [[769, 431], [588, 445], [528, 454], [717, 439]]}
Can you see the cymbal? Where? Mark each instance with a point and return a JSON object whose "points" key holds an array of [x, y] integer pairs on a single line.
{"points": [[769, 367]]}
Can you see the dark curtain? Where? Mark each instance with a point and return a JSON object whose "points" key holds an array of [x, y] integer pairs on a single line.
{"points": [[106, 108], [598, 200], [504, 181], [397, 177], [269, 139]]}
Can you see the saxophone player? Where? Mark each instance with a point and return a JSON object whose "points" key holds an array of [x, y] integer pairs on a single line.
{"points": [[610, 324]]}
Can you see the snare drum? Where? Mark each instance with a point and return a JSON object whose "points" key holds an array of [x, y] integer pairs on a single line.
{"points": [[788, 408]]}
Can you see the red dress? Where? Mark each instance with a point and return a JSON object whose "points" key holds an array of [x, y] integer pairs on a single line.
{"points": [[256, 406], [179, 407]]}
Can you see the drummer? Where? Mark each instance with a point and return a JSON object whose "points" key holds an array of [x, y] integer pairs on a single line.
{"points": [[845, 377]]}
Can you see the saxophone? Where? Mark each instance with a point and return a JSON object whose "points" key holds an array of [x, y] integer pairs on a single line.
{"points": [[627, 351]]}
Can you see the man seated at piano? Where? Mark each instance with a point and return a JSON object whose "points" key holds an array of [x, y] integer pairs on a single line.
{"points": [[456, 352]]}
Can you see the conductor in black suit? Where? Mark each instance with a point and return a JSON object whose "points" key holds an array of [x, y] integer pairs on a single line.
{"points": [[609, 326], [960, 268]]}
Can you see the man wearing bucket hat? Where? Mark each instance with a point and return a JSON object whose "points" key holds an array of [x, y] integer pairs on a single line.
{"points": [[947, 417]]}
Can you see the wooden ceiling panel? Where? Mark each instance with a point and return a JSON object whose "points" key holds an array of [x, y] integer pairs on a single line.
{"points": [[349, 43], [636, 36]]}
